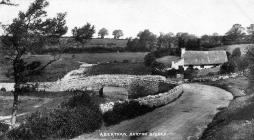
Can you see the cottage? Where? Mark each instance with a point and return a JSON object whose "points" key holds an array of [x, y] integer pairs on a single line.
{"points": [[199, 59]]}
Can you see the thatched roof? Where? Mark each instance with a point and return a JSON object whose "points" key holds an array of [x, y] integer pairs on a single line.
{"points": [[204, 57]]}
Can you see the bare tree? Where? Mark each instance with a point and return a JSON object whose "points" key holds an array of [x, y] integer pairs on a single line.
{"points": [[29, 30]]}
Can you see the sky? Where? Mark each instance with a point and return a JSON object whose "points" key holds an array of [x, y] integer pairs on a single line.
{"points": [[197, 17]]}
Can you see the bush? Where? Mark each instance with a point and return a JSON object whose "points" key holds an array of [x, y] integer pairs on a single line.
{"points": [[76, 116], [3, 89], [227, 67], [124, 111], [190, 74], [3, 128], [149, 59], [125, 61], [141, 88]]}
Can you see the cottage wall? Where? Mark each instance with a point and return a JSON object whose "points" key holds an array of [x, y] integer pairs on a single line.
{"points": [[178, 63]]}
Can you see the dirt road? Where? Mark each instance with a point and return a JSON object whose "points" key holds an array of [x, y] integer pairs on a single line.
{"points": [[184, 119]]}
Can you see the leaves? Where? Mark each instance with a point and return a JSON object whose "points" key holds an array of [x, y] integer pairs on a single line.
{"points": [[84, 33]]}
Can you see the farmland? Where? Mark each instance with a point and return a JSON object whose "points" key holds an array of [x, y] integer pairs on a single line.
{"points": [[230, 48], [68, 62]]}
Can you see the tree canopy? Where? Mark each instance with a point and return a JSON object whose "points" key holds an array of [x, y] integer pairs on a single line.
{"points": [[84, 33], [103, 32], [117, 34], [31, 29]]}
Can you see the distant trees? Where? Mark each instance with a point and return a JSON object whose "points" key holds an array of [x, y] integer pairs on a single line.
{"points": [[147, 40], [117, 34], [165, 40], [103, 32], [26, 32], [84, 33], [7, 2], [235, 32]]}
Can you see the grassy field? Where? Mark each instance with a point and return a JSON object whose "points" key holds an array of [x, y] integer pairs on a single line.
{"points": [[95, 42], [120, 68], [235, 122], [230, 48], [69, 62]]}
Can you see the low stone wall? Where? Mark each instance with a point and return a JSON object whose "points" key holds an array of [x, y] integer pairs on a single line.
{"points": [[150, 100], [216, 78], [98, 81]]}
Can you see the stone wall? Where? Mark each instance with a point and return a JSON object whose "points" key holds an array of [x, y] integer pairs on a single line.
{"points": [[150, 100], [98, 81]]}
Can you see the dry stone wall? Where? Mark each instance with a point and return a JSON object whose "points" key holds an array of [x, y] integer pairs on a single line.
{"points": [[150, 100], [96, 82]]}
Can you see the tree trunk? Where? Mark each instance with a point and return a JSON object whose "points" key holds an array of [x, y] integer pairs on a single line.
{"points": [[14, 110], [15, 106]]}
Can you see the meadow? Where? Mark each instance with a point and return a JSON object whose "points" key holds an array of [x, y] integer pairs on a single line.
{"points": [[68, 62], [230, 48]]}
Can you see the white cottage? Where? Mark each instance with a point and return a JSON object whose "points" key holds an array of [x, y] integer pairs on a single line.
{"points": [[199, 59]]}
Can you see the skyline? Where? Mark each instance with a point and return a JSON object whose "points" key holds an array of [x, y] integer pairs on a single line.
{"points": [[197, 17]]}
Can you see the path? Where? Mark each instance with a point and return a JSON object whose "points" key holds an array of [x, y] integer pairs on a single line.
{"points": [[184, 119]]}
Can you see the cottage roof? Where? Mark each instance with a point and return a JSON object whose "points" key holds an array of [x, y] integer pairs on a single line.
{"points": [[204, 57]]}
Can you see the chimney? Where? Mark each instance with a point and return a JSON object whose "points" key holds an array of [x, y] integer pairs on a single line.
{"points": [[182, 52]]}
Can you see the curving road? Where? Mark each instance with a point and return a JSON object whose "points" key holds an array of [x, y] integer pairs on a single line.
{"points": [[184, 119]]}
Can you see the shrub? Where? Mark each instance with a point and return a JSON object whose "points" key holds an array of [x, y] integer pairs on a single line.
{"points": [[149, 59], [190, 74], [227, 67], [125, 61], [141, 88], [3, 89], [76, 116], [172, 72], [3, 128], [124, 111]]}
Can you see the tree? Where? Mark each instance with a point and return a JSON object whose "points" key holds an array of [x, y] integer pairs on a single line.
{"points": [[7, 2], [147, 40], [28, 30], [236, 53], [250, 29], [235, 32], [165, 40], [103, 32], [117, 34], [84, 33]]}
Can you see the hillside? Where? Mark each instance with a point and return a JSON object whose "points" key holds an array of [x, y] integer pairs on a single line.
{"points": [[95, 42], [230, 48]]}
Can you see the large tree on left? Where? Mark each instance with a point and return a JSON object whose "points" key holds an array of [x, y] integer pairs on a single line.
{"points": [[26, 32]]}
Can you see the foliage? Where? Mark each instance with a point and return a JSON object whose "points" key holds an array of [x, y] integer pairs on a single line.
{"points": [[103, 32], [84, 33], [235, 32], [3, 128], [149, 59], [117, 34], [30, 30], [165, 40], [228, 67], [76, 116], [3, 89], [236, 53], [127, 110], [190, 73], [119, 68]]}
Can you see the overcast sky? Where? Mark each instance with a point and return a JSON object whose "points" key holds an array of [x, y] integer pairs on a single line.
{"points": [[193, 16]]}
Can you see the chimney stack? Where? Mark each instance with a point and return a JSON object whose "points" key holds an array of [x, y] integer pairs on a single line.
{"points": [[182, 52]]}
